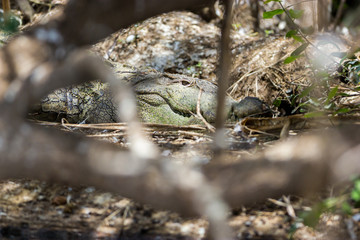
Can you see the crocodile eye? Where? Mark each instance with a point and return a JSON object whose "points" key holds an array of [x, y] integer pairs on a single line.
{"points": [[185, 83]]}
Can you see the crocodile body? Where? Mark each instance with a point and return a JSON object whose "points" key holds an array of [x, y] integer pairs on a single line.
{"points": [[161, 98]]}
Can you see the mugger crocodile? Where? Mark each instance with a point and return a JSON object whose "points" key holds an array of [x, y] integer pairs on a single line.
{"points": [[161, 98]]}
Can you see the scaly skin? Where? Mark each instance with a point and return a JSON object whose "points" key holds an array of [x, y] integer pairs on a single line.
{"points": [[90, 102], [161, 98]]}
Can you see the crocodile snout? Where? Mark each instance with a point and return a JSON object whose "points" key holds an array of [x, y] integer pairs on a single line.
{"points": [[249, 106]]}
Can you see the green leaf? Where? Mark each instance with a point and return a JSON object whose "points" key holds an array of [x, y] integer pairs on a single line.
{"points": [[10, 26], [311, 218], [267, 1], [357, 68], [306, 91], [296, 13], [346, 208], [338, 54], [330, 203], [290, 59], [314, 101], [300, 49], [355, 195], [236, 26], [329, 106], [314, 114], [331, 94], [268, 32], [298, 38], [291, 33], [270, 14], [357, 185], [353, 62], [343, 110], [277, 102]]}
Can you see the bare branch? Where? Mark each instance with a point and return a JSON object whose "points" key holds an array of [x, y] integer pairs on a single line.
{"points": [[223, 79]]}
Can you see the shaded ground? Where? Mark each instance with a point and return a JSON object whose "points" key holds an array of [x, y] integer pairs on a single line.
{"points": [[177, 42]]}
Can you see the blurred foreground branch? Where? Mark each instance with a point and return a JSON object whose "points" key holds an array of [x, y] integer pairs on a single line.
{"points": [[51, 56]]}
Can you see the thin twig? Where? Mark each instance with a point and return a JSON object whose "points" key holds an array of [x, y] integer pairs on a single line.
{"points": [[298, 3], [103, 135], [289, 208], [123, 126], [193, 134], [339, 13], [199, 115], [111, 48], [6, 9], [223, 79], [124, 216]]}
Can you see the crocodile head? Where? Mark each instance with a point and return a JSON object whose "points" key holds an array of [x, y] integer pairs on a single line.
{"points": [[249, 106]]}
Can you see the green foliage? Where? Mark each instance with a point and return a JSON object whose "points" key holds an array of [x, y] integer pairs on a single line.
{"points": [[294, 33], [298, 38], [296, 53], [342, 110], [296, 13], [331, 95], [236, 26], [307, 91], [290, 59], [319, 106], [314, 114], [11, 25], [323, 104], [342, 204], [351, 70], [195, 70], [338, 54], [355, 193], [267, 1], [268, 32], [277, 102], [271, 14], [299, 50], [311, 218], [291, 33]]}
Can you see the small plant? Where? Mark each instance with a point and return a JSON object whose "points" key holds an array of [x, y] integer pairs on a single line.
{"points": [[350, 71], [195, 70], [344, 205], [236, 26], [324, 104], [11, 25], [355, 193], [296, 34]]}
